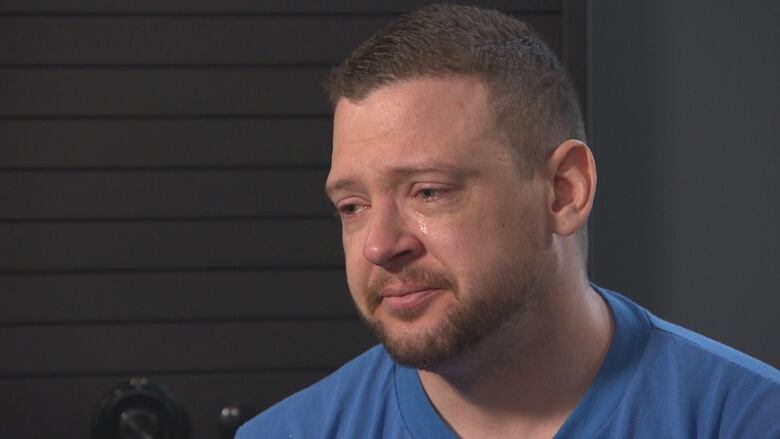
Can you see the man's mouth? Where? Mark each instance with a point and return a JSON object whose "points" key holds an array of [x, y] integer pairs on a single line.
{"points": [[406, 298]]}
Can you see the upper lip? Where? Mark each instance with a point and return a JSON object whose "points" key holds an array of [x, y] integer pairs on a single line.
{"points": [[404, 289]]}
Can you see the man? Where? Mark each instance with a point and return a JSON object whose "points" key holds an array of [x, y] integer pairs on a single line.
{"points": [[464, 185]]}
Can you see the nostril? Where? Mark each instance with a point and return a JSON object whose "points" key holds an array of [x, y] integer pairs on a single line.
{"points": [[403, 257], [402, 254]]}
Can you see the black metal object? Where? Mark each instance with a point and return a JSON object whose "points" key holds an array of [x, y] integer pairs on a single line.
{"points": [[232, 416], [140, 409]]}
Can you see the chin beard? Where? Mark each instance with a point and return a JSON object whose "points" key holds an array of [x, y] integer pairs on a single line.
{"points": [[465, 326]]}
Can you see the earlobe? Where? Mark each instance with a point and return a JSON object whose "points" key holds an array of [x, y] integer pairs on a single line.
{"points": [[571, 173]]}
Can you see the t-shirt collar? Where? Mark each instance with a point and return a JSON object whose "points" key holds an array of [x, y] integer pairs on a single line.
{"points": [[593, 410]]}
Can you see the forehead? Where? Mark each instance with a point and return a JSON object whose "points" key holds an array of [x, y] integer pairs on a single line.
{"points": [[415, 123]]}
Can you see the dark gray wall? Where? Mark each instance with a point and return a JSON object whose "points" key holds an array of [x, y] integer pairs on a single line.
{"points": [[684, 109]]}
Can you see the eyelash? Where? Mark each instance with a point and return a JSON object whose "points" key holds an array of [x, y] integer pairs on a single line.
{"points": [[437, 193], [341, 211], [434, 194]]}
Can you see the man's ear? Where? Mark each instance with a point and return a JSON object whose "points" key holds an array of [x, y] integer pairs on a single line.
{"points": [[570, 174]]}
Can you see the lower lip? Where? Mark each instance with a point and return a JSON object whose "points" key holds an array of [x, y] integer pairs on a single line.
{"points": [[410, 301]]}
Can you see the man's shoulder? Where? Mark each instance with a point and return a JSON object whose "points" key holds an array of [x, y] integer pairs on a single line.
{"points": [[671, 345], [694, 382], [680, 345], [335, 404]]}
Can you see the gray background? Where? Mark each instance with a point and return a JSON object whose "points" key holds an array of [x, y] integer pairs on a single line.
{"points": [[684, 110]]}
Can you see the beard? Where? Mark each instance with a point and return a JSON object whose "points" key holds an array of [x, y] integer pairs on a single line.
{"points": [[471, 318]]}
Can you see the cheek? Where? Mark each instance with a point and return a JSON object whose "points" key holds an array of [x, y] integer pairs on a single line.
{"points": [[455, 242], [356, 269], [479, 238], [352, 244], [357, 288]]}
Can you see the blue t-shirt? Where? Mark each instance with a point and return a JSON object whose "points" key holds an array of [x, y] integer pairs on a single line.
{"points": [[658, 380]]}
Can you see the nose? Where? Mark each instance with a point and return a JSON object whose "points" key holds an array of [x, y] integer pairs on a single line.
{"points": [[389, 242]]}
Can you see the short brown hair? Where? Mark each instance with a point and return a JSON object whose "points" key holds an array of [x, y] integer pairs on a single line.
{"points": [[535, 106]]}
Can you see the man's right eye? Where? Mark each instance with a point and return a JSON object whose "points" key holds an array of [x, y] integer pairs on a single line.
{"points": [[350, 209]]}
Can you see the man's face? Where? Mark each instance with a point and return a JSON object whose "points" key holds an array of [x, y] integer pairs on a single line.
{"points": [[444, 238]]}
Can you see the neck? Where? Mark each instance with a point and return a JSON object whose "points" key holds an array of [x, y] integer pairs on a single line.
{"points": [[529, 376]]}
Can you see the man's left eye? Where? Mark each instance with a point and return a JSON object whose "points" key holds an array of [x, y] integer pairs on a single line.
{"points": [[428, 194]]}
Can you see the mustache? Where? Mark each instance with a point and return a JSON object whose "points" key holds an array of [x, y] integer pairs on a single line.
{"points": [[431, 278]]}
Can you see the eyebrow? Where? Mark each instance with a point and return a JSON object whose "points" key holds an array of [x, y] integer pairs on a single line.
{"points": [[405, 171], [338, 185]]}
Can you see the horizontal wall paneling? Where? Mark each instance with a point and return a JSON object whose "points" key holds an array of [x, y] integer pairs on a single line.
{"points": [[160, 194], [141, 245], [162, 92], [258, 7], [177, 295], [202, 143], [86, 349], [197, 40]]}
